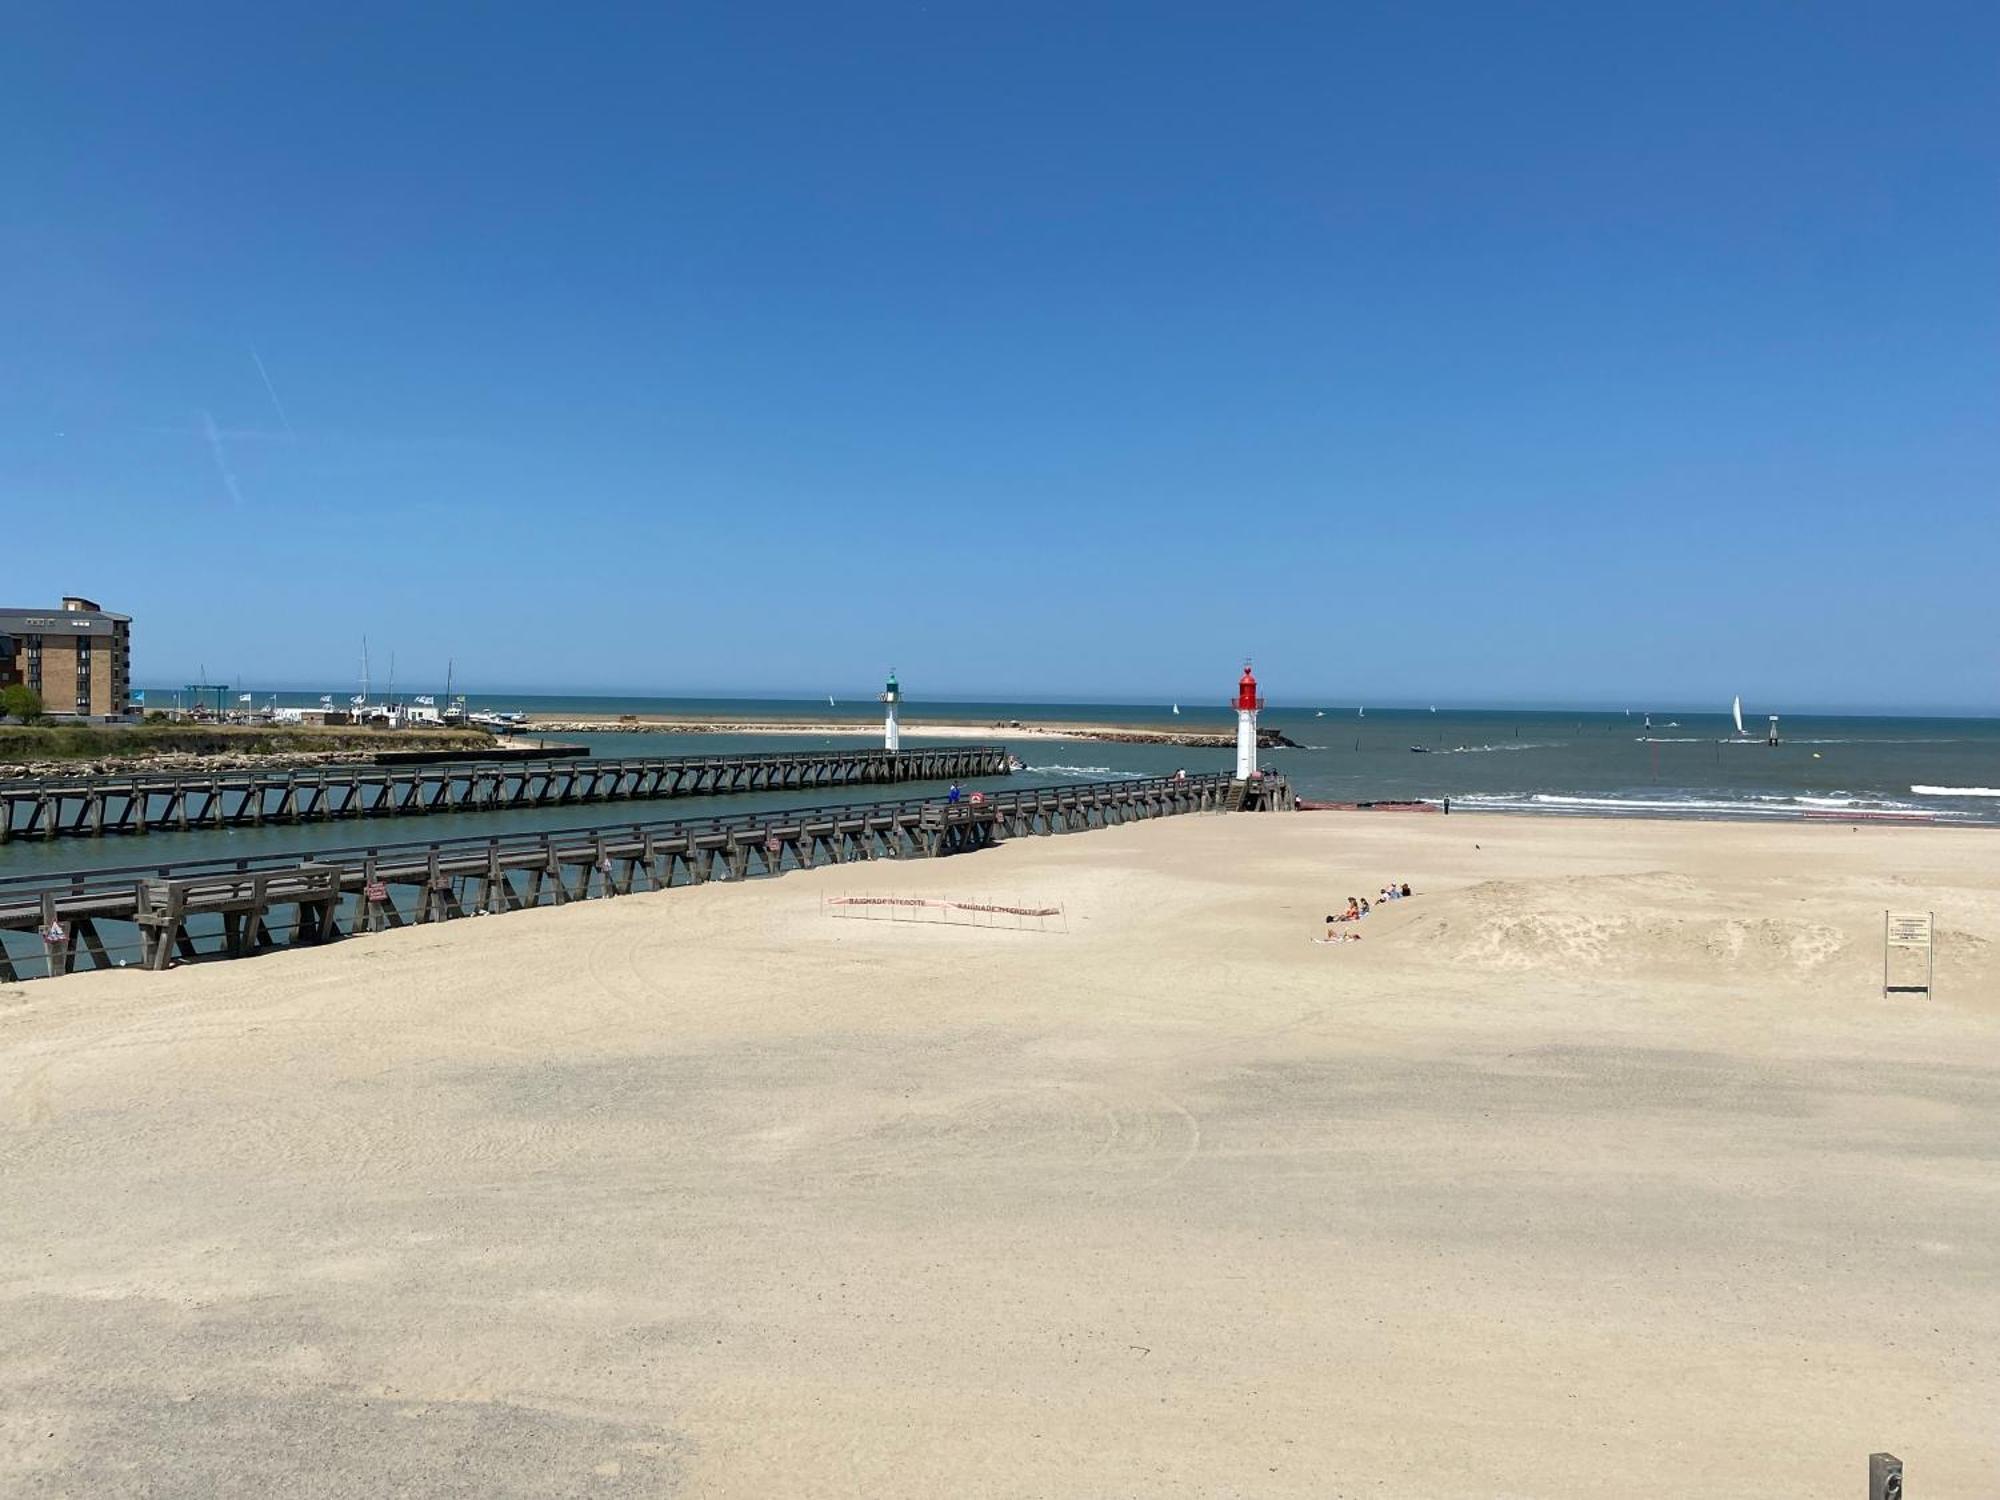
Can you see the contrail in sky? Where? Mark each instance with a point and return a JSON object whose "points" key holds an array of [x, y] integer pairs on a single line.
{"points": [[214, 436], [274, 393]]}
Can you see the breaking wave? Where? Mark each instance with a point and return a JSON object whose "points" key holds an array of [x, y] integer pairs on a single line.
{"points": [[1696, 805], [1956, 791]]}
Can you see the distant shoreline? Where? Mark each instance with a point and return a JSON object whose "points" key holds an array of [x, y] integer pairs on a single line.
{"points": [[1121, 734]]}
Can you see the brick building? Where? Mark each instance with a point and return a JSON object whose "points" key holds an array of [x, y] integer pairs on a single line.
{"points": [[78, 657]]}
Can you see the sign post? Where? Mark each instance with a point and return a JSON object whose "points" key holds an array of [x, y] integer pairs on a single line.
{"points": [[1910, 930]]}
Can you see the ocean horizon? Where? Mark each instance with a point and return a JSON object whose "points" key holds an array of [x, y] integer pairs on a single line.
{"points": [[1067, 706]]}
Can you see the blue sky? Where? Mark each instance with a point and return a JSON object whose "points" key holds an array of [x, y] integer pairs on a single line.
{"points": [[1465, 353]]}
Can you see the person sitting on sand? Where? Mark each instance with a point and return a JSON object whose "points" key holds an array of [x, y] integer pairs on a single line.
{"points": [[1364, 908], [1353, 913], [1406, 888]]}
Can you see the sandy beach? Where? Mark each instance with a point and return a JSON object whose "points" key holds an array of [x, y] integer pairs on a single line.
{"points": [[1600, 1167]]}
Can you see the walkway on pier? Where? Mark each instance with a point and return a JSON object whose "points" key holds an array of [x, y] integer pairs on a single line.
{"points": [[233, 907], [90, 807]]}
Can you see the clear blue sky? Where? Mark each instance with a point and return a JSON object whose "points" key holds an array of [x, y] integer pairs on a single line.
{"points": [[1466, 353]]}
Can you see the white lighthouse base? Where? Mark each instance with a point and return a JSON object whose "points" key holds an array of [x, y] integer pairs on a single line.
{"points": [[1246, 744]]}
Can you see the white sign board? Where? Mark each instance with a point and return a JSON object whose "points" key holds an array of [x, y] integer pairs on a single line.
{"points": [[1910, 930]]}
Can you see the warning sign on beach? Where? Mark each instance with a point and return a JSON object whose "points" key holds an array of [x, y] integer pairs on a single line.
{"points": [[1911, 932], [1910, 929]]}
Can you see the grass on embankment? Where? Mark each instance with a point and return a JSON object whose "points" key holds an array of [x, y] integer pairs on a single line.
{"points": [[53, 742]]}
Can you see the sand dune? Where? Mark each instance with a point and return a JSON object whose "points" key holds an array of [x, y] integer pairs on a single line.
{"points": [[1600, 1167]]}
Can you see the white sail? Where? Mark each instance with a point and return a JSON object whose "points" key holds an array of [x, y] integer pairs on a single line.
{"points": [[1737, 711]]}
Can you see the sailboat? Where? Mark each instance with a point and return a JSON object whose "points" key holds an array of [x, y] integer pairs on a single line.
{"points": [[1361, 713], [829, 701], [1320, 715], [1177, 708], [1736, 712]]}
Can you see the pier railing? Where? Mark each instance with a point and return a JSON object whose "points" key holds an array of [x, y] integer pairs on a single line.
{"points": [[94, 806], [188, 909]]}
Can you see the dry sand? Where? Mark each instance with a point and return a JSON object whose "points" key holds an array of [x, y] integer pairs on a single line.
{"points": [[1600, 1168]]}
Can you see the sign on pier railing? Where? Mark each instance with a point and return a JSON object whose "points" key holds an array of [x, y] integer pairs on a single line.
{"points": [[1912, 933]]}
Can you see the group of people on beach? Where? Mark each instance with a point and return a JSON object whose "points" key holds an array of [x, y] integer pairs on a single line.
{"points": [[1358, 908]]}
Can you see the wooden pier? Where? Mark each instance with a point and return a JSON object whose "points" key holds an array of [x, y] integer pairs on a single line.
{"points": [[92, 807], [154, 915]]}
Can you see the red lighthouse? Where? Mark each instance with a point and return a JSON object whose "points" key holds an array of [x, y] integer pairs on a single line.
{"points": [[1247, 704]]}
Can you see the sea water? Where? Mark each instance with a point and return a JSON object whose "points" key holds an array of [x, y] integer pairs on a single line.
{"points": [[1550, 762], [1527, 761]]}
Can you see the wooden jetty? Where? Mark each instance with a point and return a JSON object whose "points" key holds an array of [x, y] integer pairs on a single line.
{"points": [[91, 807], [156, 914]]}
